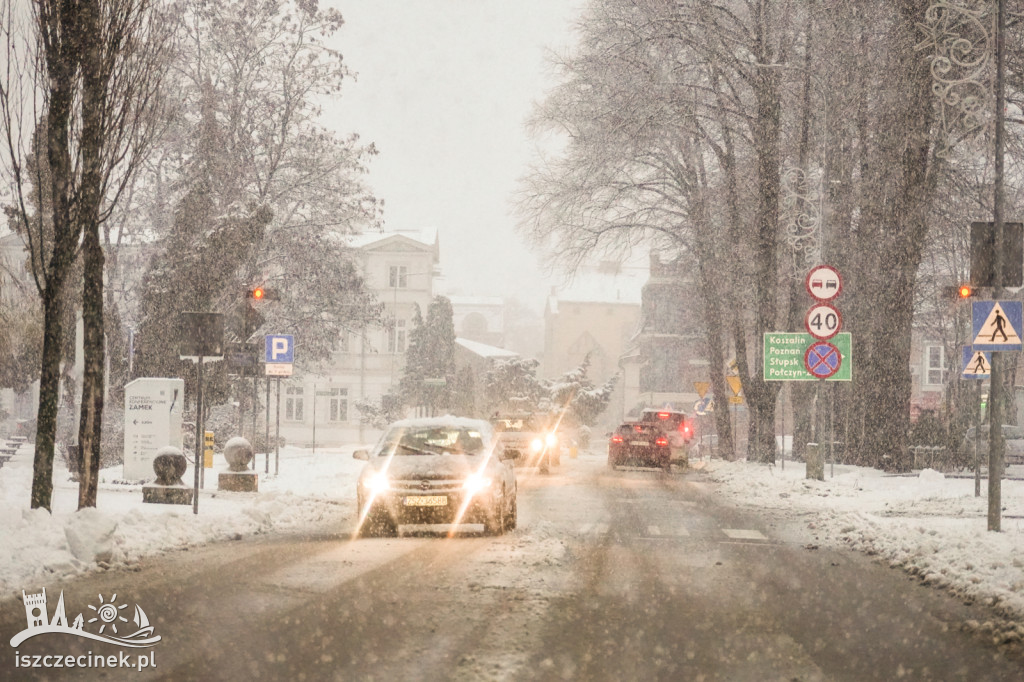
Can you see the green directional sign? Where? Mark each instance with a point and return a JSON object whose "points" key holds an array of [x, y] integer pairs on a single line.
{"points": [[784, 356]]}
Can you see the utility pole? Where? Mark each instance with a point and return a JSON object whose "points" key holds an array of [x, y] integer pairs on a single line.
{"points": [[996, 444]]}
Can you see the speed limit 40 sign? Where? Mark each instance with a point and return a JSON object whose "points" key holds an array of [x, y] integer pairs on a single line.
{"points": [[823, 321]]}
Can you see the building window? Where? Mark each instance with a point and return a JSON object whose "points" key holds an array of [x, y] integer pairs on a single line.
{"points": [[293, 403], [935, 366], [398, 277], [337, 406], [396, 337]]}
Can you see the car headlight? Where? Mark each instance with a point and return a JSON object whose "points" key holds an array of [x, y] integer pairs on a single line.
{"points": [[551, 440], [475, 483], [377, 482], [536, 445]]}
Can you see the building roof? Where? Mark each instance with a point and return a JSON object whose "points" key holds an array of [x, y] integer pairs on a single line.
{"points": [[427, 236], [477, 300], [607, 283], [485, 351]]}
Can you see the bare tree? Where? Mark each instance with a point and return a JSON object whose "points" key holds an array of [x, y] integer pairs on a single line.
{"points": [[85, 74], [122, 69]]}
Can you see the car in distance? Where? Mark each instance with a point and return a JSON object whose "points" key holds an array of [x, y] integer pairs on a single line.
{"points": [[437, 470], [639, 443], [529, 439], [677, 429], [1013, 436]]}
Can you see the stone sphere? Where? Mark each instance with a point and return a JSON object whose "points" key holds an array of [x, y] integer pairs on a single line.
{"points": [[169, 465], [238, 452]]}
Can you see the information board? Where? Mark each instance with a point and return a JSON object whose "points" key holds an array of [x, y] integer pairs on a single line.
{"points": [[152, 420]]}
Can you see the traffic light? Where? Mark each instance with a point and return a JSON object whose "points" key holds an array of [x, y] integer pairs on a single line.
{"points": [[261, 294], [959, 293]]}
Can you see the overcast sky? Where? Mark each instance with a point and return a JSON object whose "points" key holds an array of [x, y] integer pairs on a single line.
{"points": [[443, 89]]}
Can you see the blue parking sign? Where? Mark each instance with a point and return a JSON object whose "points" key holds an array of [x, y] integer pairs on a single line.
{"points": [[280, 348]]}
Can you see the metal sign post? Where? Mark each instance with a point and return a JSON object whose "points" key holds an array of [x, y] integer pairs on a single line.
{"points": [[266, 440], [202, 340], [278, 359], [277, 439], [198, 465]]}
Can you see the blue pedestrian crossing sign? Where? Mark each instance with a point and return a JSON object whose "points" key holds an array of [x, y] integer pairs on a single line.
{"points": [[996, 325], [977, 364]]}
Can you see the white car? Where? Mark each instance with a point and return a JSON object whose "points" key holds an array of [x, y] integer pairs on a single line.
{"points": [[438, 470]]}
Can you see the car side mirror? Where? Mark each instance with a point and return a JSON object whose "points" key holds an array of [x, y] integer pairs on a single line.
{"points": [[361, 454]]}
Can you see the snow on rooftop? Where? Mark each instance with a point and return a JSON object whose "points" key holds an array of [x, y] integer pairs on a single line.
{"points": [[485, 351], [458, 300], [426, 235], [604, 283]]}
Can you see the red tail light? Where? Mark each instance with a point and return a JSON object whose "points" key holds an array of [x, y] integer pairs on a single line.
{"points": [[616, 438], [685, 428], [661, 441], [638, 428], [663, 415]]}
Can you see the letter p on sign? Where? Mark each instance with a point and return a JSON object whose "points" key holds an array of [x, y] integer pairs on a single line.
{"points": [[280, 348]]}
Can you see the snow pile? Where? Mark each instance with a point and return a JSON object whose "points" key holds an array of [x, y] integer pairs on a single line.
{"points": [[312, 491], [928, 524]]}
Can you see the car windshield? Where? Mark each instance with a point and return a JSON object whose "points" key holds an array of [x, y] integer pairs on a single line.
{"points": [[431, 440], [514, 424]]}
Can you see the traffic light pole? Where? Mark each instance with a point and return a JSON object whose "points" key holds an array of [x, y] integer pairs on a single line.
{"points": [[255, 412], [200, 441]]}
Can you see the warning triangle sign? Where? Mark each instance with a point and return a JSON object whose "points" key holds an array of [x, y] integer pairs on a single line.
{"points": [[978, 365], [997, 329]]}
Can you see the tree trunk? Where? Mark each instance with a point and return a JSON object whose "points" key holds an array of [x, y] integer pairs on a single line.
{"points": [[761, 395], [908, 157], [57, 25], [91, 421], [94, 86], [49, 388]]}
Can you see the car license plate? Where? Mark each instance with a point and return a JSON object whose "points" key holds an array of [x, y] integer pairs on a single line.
{"points": [[639, 442], [426, 501]]}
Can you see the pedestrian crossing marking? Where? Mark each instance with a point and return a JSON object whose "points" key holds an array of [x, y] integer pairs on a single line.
{"points": [[741, 534], [998, 328], [655, 531]]}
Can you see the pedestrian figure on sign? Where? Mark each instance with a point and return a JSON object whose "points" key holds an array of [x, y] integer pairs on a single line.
{"points": [[979, 366], [1000, 323]]}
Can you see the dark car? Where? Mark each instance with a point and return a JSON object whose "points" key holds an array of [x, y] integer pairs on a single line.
{"points": [[1013, 436], [677, 428], [441, 470], [639, 443]]}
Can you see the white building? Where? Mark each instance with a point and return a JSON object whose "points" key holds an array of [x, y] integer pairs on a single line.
{"points": [[479, 318], [318, 407]]}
